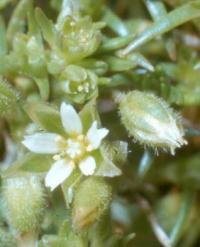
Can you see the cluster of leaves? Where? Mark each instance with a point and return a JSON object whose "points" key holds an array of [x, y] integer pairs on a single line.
{"points": [[81, 53]]}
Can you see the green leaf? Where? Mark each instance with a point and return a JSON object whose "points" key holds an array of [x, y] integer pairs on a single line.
{"points": [[43, 85], [9, 97], [175, 18], [156, 8], [119, 64], [114, 22], [45, 116], [46, 26], [140, 60], [3, 3], [182, 217], [33, 27], [97, 66], [17, 21], [115, 43], [3, 46]]}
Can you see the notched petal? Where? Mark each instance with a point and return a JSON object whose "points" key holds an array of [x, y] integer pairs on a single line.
{"points": [[59, 171], [42, 143], [95, 135], [87, 166], [70, 119]]}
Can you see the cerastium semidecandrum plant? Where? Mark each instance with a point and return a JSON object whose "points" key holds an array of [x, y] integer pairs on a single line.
{"points": [[99, 114]]}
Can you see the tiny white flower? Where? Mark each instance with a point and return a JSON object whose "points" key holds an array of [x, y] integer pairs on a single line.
{"points": [[70, 152]]}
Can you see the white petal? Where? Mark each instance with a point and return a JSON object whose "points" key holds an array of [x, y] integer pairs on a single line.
{"points": [[95, 136], [42, 143], [108, 169], [87, 166], [59, 171], [70, 119]]}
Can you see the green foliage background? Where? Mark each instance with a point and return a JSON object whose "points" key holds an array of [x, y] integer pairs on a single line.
{"points": [[120, 45]]}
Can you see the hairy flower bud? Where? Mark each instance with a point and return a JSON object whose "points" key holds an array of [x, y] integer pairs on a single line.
{"points": [[24, 199], [91, 201], [151, 121]]}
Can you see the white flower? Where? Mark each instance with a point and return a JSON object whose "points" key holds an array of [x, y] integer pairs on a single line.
{"points": [[68, 152]]}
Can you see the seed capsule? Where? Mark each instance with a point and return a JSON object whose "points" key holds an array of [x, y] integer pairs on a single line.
{"points": [[151, 121]]}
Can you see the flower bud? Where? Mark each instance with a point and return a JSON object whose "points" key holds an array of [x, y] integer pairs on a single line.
{"points": [[151, 121], [91, 201], [24, 201], [79, 38], [78, 82]]}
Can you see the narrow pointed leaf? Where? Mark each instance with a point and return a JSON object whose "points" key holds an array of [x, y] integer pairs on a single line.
{"points": [[175, 18]]}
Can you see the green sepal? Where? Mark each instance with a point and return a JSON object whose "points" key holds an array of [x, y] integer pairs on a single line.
{"points": [[45, 116], [116, 151], [89, 114], [69, 187], [30, 162], [106, 167]]}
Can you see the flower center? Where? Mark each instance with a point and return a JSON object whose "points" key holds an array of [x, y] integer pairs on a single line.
{"points": [[74, 148]]}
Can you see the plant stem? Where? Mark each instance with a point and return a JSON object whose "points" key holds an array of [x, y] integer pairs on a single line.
{"points": [[145, 164]]}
